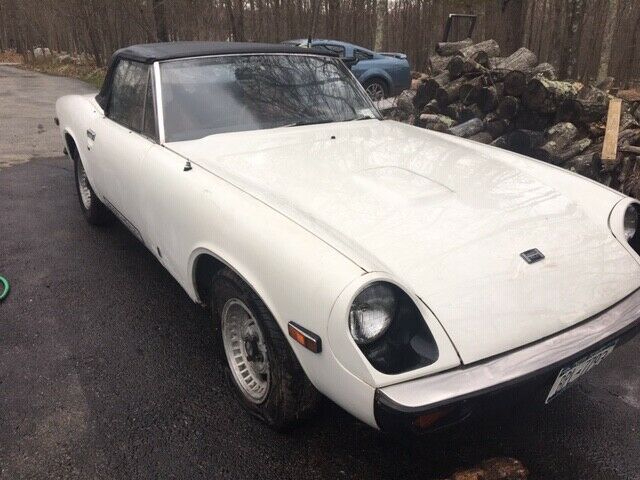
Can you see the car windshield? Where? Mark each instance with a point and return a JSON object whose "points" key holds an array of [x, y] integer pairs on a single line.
{"points": [[205, 96]]}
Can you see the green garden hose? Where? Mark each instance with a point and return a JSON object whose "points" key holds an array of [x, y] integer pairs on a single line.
{"points": [[5, 288]]}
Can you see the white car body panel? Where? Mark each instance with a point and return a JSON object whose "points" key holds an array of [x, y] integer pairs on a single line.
{"points": [[310, 215], [448, 218]]}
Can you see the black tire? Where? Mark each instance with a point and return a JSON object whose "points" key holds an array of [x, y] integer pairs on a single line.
{"points": [[379, 85], [291, 397], [95, 212]]}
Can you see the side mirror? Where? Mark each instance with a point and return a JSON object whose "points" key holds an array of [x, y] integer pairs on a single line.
{"points": [[350, 61]]}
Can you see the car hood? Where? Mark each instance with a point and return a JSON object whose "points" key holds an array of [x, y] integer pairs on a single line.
{"points": [[447, 216]]}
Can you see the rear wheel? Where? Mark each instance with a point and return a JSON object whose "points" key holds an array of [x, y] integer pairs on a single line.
{"points": [[376, 89], [260, 366], [93, 209]]}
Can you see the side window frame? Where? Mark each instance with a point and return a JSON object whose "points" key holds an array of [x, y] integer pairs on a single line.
{"points": [[107, 112], [150, 85], [157, 84]]}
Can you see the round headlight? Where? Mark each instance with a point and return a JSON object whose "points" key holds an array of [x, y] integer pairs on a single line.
{"points": [[630, 222], [371, 313]]}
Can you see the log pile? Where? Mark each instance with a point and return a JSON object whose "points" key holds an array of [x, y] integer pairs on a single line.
{"points": [[516, 103]]}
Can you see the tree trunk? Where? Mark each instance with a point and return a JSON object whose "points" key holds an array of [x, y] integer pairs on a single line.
{"points": [[161, 21], [607, 40], [381, 16]]}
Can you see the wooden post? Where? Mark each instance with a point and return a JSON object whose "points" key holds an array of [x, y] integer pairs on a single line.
{"points": [[610, 145]]}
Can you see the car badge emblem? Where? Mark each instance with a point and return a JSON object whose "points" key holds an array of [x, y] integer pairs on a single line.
{"points": [[532, 256]]}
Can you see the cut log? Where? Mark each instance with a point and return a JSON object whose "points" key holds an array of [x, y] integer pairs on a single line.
{"points": [[586, 164], [497, 128], [545, 95], [515, 83], [469, 91], [529, 120], [468, 128], [562, 133], [495, 61], [488, 97], [428, 118], [454, 110], [630, 149], [437, 127], [521, 59], [449, 93], [427, 91], [572, 150], [490, 47], [508, 107], [471, 68], [431, 107], [482, 58], [455, 66], [469, 112], [557, 138], [482, 137], [575, 110], [524, 141], [438, 64], [500, 142], [446, 49], [545, 70]]}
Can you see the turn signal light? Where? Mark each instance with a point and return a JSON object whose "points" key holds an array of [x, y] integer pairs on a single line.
{"points": [[304, 337], [429, 419]]}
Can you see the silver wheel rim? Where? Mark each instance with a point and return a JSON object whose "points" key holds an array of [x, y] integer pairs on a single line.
{"points": [[375, 91], [246, 350], [83, 185]]}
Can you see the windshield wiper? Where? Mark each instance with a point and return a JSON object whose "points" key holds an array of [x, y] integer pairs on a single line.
{"points": [[361, 117], [309, 122]]}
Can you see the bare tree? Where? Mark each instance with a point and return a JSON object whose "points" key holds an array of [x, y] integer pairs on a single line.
{"points": [[607, 40], [381, 7], [161, 21]]}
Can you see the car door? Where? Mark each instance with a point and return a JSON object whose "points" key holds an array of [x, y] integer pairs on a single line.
{"points": [[121, 140]]}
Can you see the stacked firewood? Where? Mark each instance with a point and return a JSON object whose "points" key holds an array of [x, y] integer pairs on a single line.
{"points": [[518, 104]]}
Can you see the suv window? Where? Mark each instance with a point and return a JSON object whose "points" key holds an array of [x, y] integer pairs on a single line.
{"points": [[128, 94], [361, 55]]}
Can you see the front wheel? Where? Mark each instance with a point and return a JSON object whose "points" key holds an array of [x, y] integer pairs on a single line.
{"points": [[261, 367], [376, 89], [93, 209]]}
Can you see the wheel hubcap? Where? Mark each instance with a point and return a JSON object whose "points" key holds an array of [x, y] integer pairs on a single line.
{"points": [[246, 350], [375, 91], [83, 185]]}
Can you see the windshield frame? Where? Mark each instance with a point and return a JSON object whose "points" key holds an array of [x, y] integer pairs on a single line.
{"points": [[158, 83]]}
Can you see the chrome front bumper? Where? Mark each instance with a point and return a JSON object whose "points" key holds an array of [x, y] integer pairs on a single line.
{"points": [[547, 356]]}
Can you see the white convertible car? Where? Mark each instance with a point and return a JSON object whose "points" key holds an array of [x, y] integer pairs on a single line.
{"points": [[410, 276]]}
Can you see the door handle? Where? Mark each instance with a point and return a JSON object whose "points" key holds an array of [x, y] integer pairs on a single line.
{"points": [[91, 135]]}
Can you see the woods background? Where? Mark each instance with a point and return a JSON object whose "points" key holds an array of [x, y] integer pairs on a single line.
{"points": [[584, 39]]}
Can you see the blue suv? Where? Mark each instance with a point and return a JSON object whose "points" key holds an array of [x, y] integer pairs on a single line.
{"points": [[381, 74]]}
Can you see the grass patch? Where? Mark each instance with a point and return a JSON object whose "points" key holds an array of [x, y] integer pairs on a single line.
{"points": [[87, 73]]}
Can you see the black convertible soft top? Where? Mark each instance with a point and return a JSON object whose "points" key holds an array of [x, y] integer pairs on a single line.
{"points": [[153, 52]]}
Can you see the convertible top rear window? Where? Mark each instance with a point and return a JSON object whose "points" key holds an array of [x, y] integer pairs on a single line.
{"points": [[209, 95]]}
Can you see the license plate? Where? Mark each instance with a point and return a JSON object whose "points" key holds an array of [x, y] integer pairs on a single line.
{"points": [[570, 374]]}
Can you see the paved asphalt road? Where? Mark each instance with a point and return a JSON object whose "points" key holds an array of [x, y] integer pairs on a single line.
{"points": [[107, 368]]}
